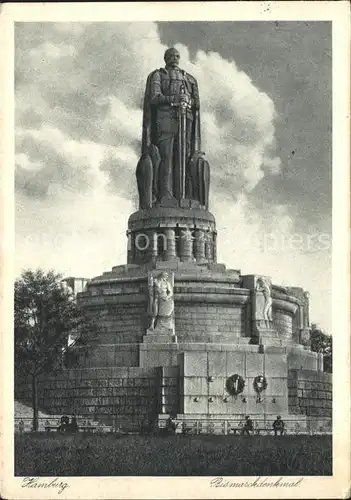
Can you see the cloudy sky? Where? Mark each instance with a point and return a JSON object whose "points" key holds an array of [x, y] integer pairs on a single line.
{"points": [[265, 91]]}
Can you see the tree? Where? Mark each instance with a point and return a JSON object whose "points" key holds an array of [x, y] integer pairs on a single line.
{"points": [[45, 314], [322, 342]]}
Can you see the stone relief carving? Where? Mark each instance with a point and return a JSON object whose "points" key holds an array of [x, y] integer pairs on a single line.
{"points": [[264, 307], [161, 301], [306, 310]]}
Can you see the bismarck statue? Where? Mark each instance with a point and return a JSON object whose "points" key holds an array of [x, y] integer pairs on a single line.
{"points": [[172, 170]]}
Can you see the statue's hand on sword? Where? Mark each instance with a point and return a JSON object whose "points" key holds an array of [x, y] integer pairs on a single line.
{"points": [[184, 102], [184, 98]]}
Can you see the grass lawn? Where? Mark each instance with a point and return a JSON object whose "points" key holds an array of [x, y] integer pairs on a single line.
{"points": [[111, 455]]}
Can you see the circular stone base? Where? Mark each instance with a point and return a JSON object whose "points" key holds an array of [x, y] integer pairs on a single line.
{"points": [[172, 233], [210, 303], [153, 217]]}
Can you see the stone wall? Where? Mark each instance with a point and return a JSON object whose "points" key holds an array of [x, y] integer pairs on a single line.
{"points": [[110, 395], [110, 355], [209, 322], [310, 393], [169, 388], [303, 359], [203, 378], [121, 324]]}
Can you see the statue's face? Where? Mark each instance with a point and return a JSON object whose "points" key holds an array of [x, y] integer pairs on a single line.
{"points": [[164, 276], [172, 57]]}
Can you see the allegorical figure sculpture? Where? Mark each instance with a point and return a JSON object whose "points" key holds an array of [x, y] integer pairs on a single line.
{"points": [[306, 310], [161, 302], [172, 166], [263, 286]]}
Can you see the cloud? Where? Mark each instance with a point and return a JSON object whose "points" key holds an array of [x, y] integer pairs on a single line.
{"points": [[237, 123], [87, 81], [266, 243]]}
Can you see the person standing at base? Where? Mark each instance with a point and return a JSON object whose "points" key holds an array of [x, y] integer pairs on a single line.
{"points": [[73, 426], [278, 426], [21, 426], [248, 426], [63, 427]]}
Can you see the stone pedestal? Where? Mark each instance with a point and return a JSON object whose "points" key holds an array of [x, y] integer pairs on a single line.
{"points": [[178, 332], [218, 324], [305, 337], [160, 336], [268, 336], [166, 234]]}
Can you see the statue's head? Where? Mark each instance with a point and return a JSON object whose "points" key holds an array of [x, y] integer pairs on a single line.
{"points": [[262, 281], [172, 57], [164, 276]]}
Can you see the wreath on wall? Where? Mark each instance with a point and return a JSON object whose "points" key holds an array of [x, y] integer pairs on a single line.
{"points": [[260, 385], [235, 384]]}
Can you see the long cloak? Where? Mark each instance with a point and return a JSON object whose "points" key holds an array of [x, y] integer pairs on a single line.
{"points": [[149, 135]]}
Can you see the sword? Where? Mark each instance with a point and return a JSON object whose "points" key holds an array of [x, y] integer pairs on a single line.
{"points": [[182, 142]]}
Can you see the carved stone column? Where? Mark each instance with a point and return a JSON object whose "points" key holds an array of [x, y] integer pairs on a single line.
{"points": [[170, 244], [306, 310], [215, 247], [209, 245], [200, 246], [130, 247], [186, 245], [301, 315], [154, 245]]}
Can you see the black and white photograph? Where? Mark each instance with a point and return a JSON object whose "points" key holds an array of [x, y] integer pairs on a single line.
{"points": [[176, 283]]}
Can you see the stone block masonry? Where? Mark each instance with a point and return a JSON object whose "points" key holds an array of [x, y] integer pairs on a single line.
{"points": [[110, 395], [310, 393], [195, 321], [203, 377], [222, 323]]}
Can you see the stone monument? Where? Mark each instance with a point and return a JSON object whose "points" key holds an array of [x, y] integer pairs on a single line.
{"points": [[172, 170], [179, 333], [161, 307]]}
